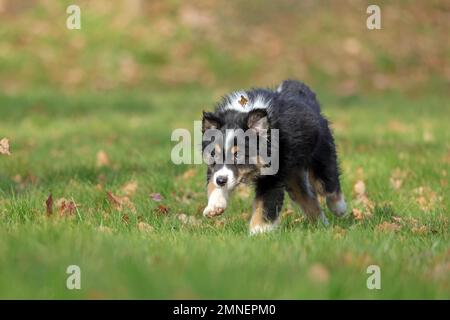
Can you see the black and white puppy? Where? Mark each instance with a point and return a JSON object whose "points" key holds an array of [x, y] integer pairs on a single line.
{"points": [[306, 160]]}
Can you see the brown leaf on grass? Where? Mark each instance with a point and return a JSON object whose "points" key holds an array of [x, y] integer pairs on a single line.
{"points": [[399, 127], [102, 159], [318, 273], [188, 220], [419, 230], [357, 260], [428, 136], [412, 224], [162, 210], [359, 214], [426, 198], [114, 200], [188, 197], [4, 147], [188, 174], [362, 200], [387, 227], [397, 178], [156, 197], [66, 207], [446, 157], [49, 205], [145, 227], [130, 188], [219, 223], [120, 203], [243, 101], [359, 188], [126, 218]]}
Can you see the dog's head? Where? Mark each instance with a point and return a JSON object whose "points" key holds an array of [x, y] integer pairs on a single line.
{"points": [[232, 145]]}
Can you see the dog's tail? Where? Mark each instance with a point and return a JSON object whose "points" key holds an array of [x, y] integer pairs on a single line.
{"points": [[293, 90]]}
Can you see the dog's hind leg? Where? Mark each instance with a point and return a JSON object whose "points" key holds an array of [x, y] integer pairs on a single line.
{"points": [[302, 192], [324, 175], [266, 207], [324, 172]]}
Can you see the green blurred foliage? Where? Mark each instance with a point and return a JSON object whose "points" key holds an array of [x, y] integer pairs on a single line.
{"points": [[224, 44]]}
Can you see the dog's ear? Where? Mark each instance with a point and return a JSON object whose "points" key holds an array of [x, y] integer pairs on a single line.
{"points": [[258, 120], [210, 121]]}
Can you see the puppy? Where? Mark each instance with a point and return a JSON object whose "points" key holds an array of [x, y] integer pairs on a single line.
{"points": [[302, 157]]}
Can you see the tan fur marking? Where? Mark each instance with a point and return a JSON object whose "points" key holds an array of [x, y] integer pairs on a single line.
{"points": [[309, 203], [258, 214], [316, 183], [234, 149], [210, 187]]}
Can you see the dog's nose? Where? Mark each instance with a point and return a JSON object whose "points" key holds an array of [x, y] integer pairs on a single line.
{"points": [[221, 180]]}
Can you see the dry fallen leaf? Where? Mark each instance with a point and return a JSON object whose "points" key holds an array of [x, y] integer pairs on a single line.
{"points": [[219, 223], [162, 209], [397, 178], [399, 127], [145, 227], [4, 147], [102, 159], [155, 197], [426, 198], [49, 205], [189, 220], [126, 218], [419, 230], [319, 273], [66, 207], [357, 260], [428, 136], [119, 203], [188, 174], [357, 214], [359, 188], [387, 227], [243, 101], [130, 188], [361, 199], [114, 200]]}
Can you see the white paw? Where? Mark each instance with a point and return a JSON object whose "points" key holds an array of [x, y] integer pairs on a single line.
{"points": [[212, 211], [262, 228], [217, 203]]}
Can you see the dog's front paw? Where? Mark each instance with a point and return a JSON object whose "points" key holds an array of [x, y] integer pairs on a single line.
{"points": [[213, 211], [217, 203]]}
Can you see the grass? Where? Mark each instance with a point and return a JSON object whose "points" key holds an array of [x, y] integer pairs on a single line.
{"points": [[55, 139]]}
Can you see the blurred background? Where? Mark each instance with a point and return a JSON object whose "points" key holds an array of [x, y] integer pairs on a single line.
{"points": [[222, 45]]}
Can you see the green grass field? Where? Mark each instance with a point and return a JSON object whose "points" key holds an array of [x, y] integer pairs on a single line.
{"points": [[135, 247]]}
